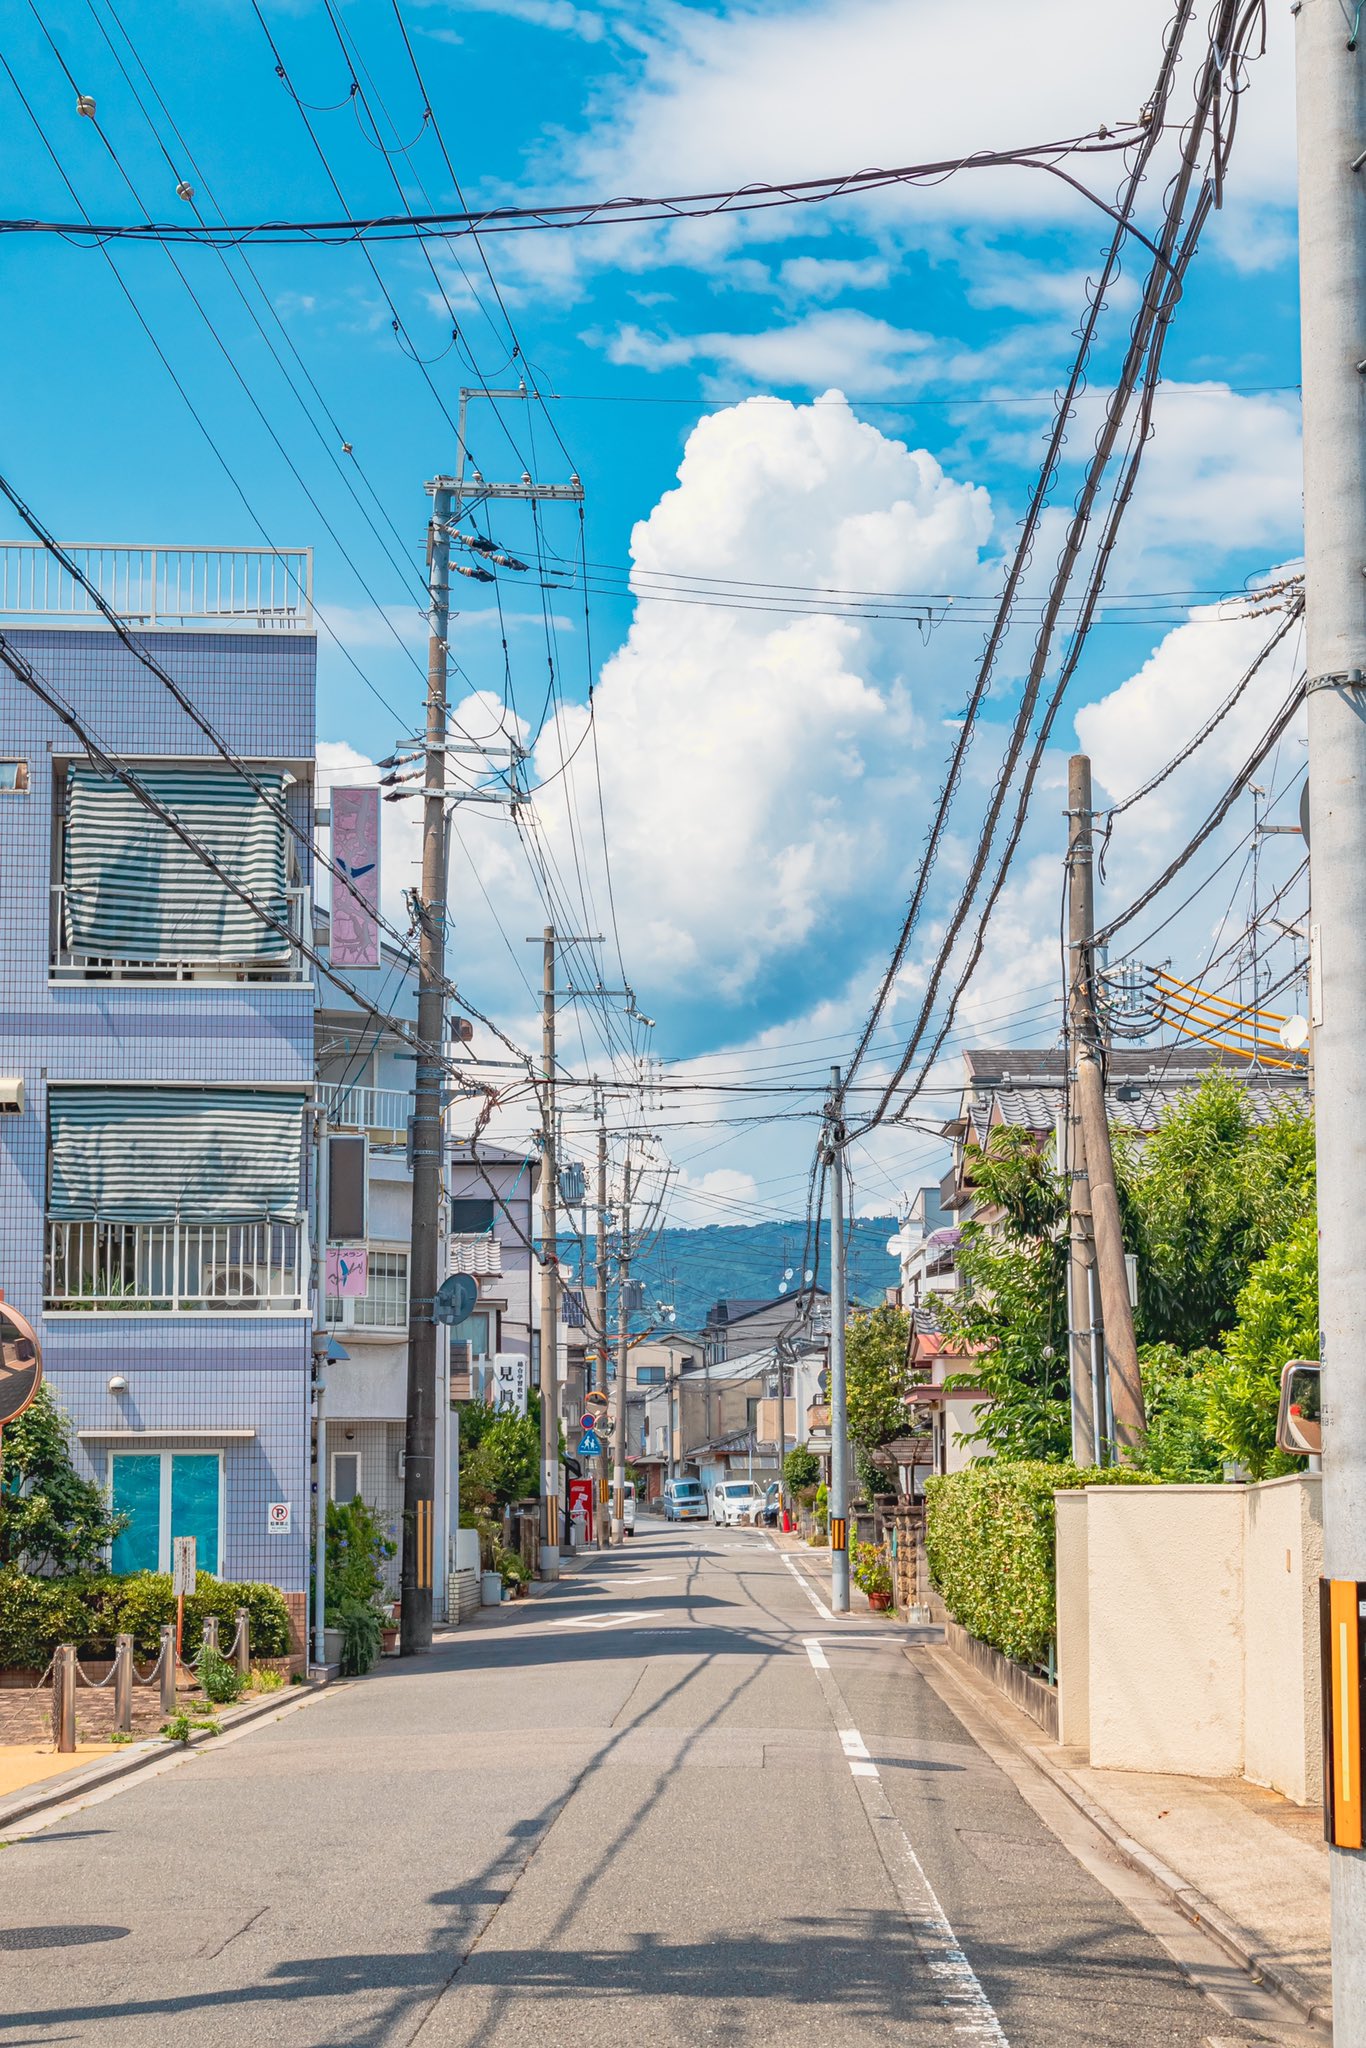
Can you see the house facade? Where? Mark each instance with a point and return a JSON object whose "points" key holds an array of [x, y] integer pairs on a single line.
{"points": [[154, 1184]]}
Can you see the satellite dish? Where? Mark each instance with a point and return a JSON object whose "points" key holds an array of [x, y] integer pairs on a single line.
{"points": [[1294, 1034]]}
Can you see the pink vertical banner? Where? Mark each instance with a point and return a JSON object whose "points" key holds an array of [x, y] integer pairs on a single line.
{"points": [[348, 1271], [355, 899]]}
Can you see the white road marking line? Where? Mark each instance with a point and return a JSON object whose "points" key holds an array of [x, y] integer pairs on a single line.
{"points": [[599, 1620], [959, 1989], [853, 1742], [819, 1660], [807, 1587]]}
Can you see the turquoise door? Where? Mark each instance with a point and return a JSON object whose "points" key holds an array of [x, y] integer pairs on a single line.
{"points": [[135, 1489], [195, 1479]]}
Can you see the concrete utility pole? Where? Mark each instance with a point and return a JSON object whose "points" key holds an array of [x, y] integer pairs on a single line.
{"points": [[419, 1443], [1121, 1351], [623, 1351], [838, 1511], [550, 1276], [1085, 1332], [1331, 124], [600, 1318]]}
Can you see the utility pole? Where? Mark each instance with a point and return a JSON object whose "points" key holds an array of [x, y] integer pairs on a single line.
{"points": [[1331, 125], [838, 1513], [623, 1350], [1085, 1333], [550, 1276], [419, 1442], [600, 1318], [1121, 1350]]}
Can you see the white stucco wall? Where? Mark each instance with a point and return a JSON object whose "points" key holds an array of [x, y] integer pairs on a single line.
{"points": [[1073, 1650], [1282, 1562], [1165, 1597]]}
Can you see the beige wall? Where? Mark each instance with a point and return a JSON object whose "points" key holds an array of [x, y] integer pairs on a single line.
{"points": [[1282, 1563], [1187, 1629], [1074, 1662], [1165, 1592]]}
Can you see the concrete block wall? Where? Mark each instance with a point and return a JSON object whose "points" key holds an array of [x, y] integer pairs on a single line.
{"points": [[1188, 1630]]}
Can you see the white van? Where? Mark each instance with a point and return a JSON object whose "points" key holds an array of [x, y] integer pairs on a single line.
{"points": [[628, 1507], [734, 1501], [685, 1500]]}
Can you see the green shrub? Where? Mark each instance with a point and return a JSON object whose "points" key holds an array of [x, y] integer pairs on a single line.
{"points": [[989, 1535], [801, 1468], [219, 1681], [90, 1610], [357, 1547], [361, 1640]]}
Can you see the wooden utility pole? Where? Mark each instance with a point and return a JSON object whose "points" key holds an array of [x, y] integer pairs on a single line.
{"points": [[419, 1442], [1121, 1350], [623, 1352], [1085, 1333]]}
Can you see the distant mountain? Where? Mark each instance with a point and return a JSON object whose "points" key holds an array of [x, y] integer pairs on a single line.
{"points": [[692, 1269]]}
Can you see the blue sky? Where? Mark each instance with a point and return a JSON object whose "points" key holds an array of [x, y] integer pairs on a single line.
{"points": [[765, 779]]}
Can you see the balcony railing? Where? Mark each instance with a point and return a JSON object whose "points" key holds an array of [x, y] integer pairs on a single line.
{"points": [[383, 1112], [483, 1255], [70, 965], [261, 589], [177, 1268]]}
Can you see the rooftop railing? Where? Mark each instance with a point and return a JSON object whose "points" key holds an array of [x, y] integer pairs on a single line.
{"points": [[176, 1268], [258, 589]]}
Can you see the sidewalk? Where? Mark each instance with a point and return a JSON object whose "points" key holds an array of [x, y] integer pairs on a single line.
{"points": [[1248, 1866]]}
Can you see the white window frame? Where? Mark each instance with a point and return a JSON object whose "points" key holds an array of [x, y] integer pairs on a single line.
{"points": [[164, 1497], [359, 1493], [345, 1305]]}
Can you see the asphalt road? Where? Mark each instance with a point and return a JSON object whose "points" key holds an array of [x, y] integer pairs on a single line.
{"points": [[668, 1803]]}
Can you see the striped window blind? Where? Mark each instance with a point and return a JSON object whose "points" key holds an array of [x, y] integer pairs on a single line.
{"points": [[134, 891], [150, 1155]]}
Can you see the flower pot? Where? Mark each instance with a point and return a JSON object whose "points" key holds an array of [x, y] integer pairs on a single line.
{"points": [[879, 1602], [389, 1640]]}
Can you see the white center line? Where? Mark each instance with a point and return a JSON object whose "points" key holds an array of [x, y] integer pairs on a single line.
{"points": [[819, 1660]]}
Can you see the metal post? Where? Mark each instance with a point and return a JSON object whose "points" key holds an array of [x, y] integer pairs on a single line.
{"points": [[600, 1318], [623, 1353], [550, 1277], [1331, 121], [123, 1684], [168, 1668], [241, 1643], [1081, 1256], [419, 1464], [209, 1639], [839, 1412], [64, 1698], [320, 1543]]}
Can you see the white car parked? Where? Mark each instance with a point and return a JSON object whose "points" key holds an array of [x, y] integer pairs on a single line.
{"points": [[734, 1501]]}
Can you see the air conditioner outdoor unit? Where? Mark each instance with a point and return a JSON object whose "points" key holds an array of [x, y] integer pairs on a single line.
{"points": [[11, 1095], [230, 1283]]}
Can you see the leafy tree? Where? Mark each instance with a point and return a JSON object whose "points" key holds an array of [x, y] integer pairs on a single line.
{"points": [[1177, 1389], [1013, 1300], [504, 1463], [876, 1375], [1278, 1319], [51, 1520], [1207, 1196], [801, 1468]]}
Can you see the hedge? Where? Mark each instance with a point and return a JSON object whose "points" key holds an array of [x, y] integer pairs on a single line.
{"points": [[91, 1609], [989, 1543]]}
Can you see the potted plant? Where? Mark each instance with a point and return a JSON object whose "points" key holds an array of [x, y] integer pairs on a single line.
{"points": [[872, 1575], [388, 1628], [357, 1548]]}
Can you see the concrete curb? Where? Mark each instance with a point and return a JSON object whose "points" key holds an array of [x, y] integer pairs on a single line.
{"points": [[1190, 1902], [69, 1785]]}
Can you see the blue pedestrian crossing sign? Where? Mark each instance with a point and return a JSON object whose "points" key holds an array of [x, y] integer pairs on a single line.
{"points": [[590, 1444]]}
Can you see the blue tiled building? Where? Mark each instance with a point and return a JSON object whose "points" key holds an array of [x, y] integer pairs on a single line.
{"points": [[154, 1186]]}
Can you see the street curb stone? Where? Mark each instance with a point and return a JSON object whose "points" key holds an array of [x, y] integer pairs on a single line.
{"points": [[1189, 1901], [70, 1785]]}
